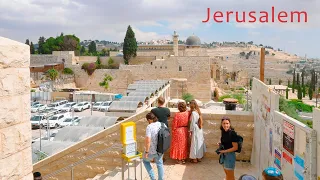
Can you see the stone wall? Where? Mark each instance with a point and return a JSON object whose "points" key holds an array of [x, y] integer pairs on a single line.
{"points": [[121, 79], [117, 59], [15, 131], [43, 59], [195, 69], [111, 158]]}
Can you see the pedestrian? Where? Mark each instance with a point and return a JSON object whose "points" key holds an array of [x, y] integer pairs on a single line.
{"points": [[37, 176], [227, 148], [272, 173], [197, 147], [151, 142], [161, 112], [179, 144]]}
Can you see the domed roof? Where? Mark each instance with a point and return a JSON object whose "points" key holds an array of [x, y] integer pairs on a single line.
{"points": [[193, 41]]}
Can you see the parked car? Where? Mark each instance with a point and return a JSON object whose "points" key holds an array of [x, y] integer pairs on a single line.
{"points": [[96, 106], [82, 106], [37, 107], [69, 121], [105, 106], [48, 112], [76, 122], [55, 120], [68, 107], [34, 103], [35, 121]]}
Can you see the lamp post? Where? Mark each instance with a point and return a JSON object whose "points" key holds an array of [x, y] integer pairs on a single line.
{"points": [[39, 127], [317, 89]]}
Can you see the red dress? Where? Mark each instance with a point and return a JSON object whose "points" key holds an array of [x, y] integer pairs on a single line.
{"points": [[179, 145]]}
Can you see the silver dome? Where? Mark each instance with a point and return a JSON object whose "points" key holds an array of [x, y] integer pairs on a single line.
{"points": [[193, 41]]}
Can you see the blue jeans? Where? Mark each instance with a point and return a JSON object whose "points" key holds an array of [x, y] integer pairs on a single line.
{"points": [[229, 160], [159, 161]]}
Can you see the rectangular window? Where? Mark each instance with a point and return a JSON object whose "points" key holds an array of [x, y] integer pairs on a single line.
{"points": [[180, 68]]}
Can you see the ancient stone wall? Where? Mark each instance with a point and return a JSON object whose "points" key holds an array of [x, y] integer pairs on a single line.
{"points": [[195, 69], [40, 60], [117, 59], [121, 79], [111, 158], [15, 130]]}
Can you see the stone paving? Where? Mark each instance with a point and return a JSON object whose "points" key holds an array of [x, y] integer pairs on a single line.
{"points": [[208, 169]]}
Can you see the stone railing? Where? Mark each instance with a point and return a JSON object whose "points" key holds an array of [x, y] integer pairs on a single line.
{"points": [[242, 121]]}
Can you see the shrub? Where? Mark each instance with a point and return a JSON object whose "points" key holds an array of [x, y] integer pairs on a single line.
{"points": [[299, 105], [52, 74], [241, 88], [239, 97], [91, 68], [110, 61], [67, 71], [187, 97], [85, 66], [32, 90]]}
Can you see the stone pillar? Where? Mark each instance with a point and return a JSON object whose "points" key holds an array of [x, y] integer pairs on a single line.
{"points": [[15, 127]]}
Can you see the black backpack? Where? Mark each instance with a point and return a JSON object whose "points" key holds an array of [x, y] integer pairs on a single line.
{"points": [[164, 139], [240, 142]]}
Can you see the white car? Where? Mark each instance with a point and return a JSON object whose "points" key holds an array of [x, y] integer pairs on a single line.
{"points": [[68, 107], [55, 120], [34, 103], [96, 106], [37, 107], [35, 120], [82, 106], [69, 121], [105, 106]]}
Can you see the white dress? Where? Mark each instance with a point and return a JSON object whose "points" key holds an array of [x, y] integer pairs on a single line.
{"points": [[198, 147]]}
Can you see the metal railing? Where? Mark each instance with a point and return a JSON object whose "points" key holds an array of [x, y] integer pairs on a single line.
{"points": [[71, 166]]}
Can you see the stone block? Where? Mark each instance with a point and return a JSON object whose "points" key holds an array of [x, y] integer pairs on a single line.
{"points": [[14, 139], [17, 165], [14, 82], [14, 54], [15, 112]]}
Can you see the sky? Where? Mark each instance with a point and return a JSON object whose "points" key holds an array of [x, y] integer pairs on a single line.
{"points": [[158, 19]]}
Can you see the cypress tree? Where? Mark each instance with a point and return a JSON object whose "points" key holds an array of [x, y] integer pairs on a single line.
{"points": [[298, 79], [32, 51], [310, 92], [288, 82], [299, 92], [287, 93], [294, 80], [303, 91], [270, 81], [129, 45]]}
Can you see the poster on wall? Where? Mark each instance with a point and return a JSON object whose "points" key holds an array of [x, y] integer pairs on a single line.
{"points": [[299, 167], [277, 158], [288, 137], [287, 157]]}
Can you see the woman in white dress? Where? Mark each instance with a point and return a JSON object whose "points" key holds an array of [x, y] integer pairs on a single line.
{"points": [[197, 147]]}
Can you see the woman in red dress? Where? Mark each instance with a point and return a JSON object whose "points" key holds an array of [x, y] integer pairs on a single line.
{"points": [[179, 145]]}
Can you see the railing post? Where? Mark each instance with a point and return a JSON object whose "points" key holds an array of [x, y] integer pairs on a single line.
{"points": [[72, 172]]}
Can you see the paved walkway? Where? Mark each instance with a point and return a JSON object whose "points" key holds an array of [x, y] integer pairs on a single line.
{"points": [[208, 169]]}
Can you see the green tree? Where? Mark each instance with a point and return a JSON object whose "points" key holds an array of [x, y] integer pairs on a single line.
{"points": [[299, 92], [250, 84], [288, 82], [50, 45], [98, 62], [187, 97], [298, 79], [83, 50], [52, 74], [294, 80], [105, 83], [110, 61], [27, 42], [302, 77], [32, 51], [303, 91], [310, 92], [104, 52], [287, 93], [92, 47], [40, 44], [129, 46], [69, 43]]}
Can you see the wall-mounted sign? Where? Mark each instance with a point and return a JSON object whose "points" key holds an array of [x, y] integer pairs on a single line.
{"points": [[299, 167], [287, 157], [288, 137], [277, 158]]}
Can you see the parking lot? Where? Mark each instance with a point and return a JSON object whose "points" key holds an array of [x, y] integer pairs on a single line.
{"points": [[87, 112]]}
